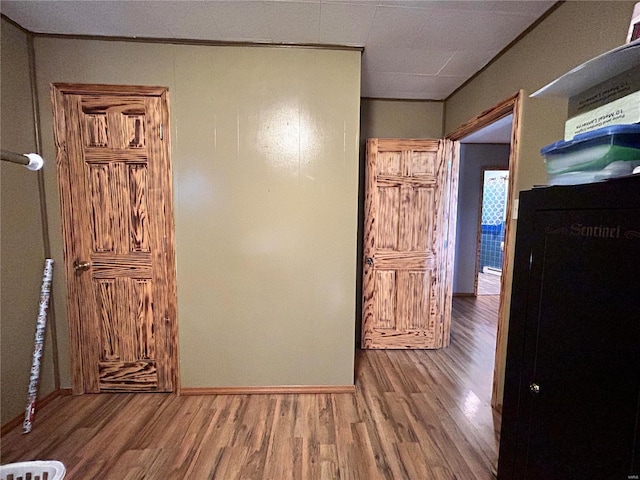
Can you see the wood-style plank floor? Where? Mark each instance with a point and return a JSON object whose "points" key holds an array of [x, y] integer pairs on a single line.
{"points": [[488, 284], [415, 415]]}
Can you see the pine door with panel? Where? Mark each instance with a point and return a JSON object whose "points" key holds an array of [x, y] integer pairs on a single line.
{"points": [[116, 199], [409, 243]]}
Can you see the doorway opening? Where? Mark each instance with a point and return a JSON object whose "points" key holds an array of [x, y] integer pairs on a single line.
{"points": [[492, 218], [504, 119]]}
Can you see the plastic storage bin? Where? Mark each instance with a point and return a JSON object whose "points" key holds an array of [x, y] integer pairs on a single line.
{"points": [[36, 470], [604, 153]]}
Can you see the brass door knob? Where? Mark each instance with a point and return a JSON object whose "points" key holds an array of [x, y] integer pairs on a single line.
{"points": [[81, 266]]}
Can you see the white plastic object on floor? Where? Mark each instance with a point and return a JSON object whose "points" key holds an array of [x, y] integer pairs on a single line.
{"points": [[38, 470]]}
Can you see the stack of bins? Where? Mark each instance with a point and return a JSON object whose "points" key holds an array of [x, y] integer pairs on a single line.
{"points": [[597, 155], [602, 131]]}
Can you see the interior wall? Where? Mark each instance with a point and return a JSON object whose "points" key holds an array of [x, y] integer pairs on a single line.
{"points": [[401, 119], [265, 167], [474, 158], [21, 241], [575, 32]]}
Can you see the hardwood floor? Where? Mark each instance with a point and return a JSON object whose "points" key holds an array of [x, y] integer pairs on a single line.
{"points": [[416, 414], [488, 284]]}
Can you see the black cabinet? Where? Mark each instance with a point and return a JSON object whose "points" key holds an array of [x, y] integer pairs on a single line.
{"points": [[572, 385]]}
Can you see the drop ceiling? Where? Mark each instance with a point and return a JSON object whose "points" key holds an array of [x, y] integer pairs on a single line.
{"points": [[413, 49]]}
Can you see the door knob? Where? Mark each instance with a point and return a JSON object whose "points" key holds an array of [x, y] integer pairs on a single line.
{"points": [[81, 266], [368, 260], [534, 388]]}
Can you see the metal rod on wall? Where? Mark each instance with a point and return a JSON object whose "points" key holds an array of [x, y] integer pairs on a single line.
{"points": [[44, 217], [32, 161]]}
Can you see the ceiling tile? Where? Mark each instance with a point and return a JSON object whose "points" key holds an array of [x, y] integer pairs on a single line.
{"points": [[471, 5], [352, 2], [462, 29], [407, 3], [242, 21], [405, 60], [423, 86], [466, 63], [40, 16], [293, 22], [523, 7], [397, 26], [140, 19], [346, 24], [528, 7], [84, 18]]}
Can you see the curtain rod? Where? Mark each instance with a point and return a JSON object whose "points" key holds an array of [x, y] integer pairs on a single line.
{"points": [[32, 161]]}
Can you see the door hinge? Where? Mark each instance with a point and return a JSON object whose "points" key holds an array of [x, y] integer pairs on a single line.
{"points": [[161, 135]]}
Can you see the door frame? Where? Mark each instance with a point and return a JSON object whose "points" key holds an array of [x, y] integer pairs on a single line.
{"points": [[511, 105], [57, 92]]}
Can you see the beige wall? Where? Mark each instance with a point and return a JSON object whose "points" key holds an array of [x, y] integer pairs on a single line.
{"points": [[265, 161], [574, 33], [21, 244], [401, 119]]}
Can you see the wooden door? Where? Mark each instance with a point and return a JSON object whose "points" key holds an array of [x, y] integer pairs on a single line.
{"points": [[114, 175], [411, 188]]}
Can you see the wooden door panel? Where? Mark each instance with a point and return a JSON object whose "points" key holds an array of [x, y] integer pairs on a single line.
{"points": [[95, 130], [127, 343], [414, 261], [116, 189], [137, 208], [405, 303], [389, 163], [101, 208], [114, 266], [118, 207], [414, 305], [386, 288], [140, 376], [113, 122], [406, 230], [423, 163], [125, 319], [389, 221], [405, 218], [418, 220]]}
